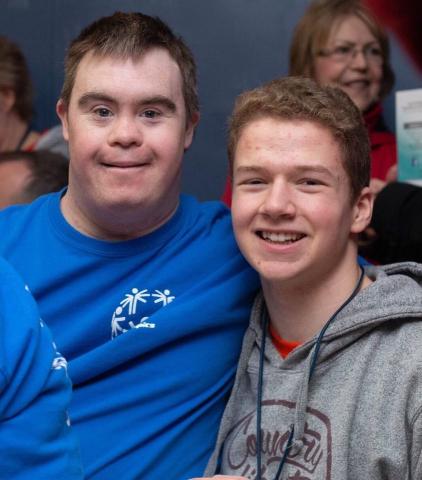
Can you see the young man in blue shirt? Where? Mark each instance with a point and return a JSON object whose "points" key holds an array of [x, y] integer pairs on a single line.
{"points": [[144, 289]]}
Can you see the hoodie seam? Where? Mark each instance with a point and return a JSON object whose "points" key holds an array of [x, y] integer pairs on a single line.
{"points": [[416, 416], [411, 315]]}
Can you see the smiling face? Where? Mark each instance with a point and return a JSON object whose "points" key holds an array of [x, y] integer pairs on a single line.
{"points": [[292, 213], [127, 131], [360, 77]]}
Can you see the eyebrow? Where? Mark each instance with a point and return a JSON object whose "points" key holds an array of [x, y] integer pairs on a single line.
{"points": [[250, 169], [343, 40], [90, 97], [162, 100], [298, 169], [314, 169]]}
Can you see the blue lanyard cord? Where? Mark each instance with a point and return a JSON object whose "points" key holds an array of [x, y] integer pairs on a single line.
{"points": [[333, 316], [311, 371], [286, 451], [259, 397]]}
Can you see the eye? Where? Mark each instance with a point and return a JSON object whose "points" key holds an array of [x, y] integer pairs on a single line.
{"points": [[102, 112], [374, 51], [310, 182], [342, 50], [249, 182], [152, 114], [253, 181]]}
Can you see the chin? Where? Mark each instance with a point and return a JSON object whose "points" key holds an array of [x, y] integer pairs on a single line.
{"points": [[363, 104], [278, 273], [123, 202]]}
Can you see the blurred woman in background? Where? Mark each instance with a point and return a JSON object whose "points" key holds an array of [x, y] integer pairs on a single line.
{"points": [[339, 42], [15, 100]]}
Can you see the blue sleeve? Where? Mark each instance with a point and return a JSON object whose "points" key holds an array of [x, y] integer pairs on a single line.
{"points": [[362, 261], [36, 441]]}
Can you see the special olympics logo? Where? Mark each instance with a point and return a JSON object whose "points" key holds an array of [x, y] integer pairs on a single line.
{"points": [[129, 315]]}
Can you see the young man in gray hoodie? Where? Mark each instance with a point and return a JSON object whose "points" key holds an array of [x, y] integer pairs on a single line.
{"points": [[329, 384]]}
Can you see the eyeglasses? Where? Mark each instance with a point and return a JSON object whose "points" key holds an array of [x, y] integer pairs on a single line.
{"points": [[347, 52]]}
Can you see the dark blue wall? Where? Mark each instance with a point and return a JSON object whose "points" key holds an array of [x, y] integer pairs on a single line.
{"points": [[238, 44]]}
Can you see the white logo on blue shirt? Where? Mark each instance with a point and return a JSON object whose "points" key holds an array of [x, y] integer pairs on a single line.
{"points": [[129, 315]]}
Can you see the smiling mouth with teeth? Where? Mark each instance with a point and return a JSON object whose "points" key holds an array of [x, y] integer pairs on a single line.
{"points": [[283, 238]]}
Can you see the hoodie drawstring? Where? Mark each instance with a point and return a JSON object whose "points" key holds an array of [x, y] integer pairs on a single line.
{"points": [[298, 428]]}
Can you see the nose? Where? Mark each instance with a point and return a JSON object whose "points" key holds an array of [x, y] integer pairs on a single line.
{"points": [[359, 60], [279, 201], [125, 132]]}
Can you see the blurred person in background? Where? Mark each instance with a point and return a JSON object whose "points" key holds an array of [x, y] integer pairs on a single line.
{"points": [[396, 227], [339, 42], [15, 100], [24, 176], [16, 106]]}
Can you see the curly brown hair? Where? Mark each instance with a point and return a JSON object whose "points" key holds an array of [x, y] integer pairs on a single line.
{"points": [[302, 99]]}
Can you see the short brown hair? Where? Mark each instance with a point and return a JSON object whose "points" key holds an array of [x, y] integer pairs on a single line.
{"points": [[301, 99], [313, 30], [130, 35], [14, 75]]}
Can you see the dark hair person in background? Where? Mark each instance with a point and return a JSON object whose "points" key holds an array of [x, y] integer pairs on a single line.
{"points": [[339, 42], [15, 100], [395, 232], [16, 107], [24, 176]]}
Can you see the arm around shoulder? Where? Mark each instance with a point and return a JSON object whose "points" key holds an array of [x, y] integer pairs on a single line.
{"points": [[34, 393]]}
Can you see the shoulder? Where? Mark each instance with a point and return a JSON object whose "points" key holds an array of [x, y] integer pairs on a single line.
{"points": [[17, 222], [209, 211], [16, 302], [211, 219], [16, 212]]}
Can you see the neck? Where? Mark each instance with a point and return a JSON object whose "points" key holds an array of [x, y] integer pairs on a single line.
{"points": [[113, 225], [298, 313]]}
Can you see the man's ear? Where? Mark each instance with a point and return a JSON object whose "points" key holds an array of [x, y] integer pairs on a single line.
{"points": [[362, 211], [190, 129], [61, 109], [7, 100]]}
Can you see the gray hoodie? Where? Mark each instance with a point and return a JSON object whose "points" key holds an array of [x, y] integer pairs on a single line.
{"points": [[359, 417]]}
